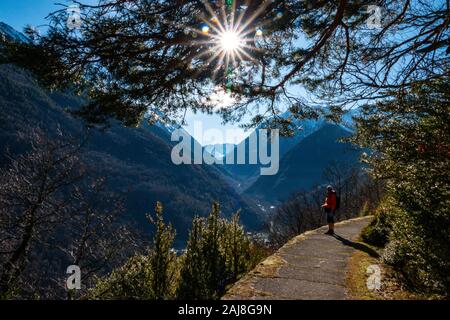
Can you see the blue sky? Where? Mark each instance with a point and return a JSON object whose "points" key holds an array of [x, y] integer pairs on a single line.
{"points": [[19, 13]]}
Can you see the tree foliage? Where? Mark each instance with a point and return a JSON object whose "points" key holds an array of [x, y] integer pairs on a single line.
{"points": [[52, 215], [217, 253], [410, 142], [150, 58], [151, 276], [162, 257]]}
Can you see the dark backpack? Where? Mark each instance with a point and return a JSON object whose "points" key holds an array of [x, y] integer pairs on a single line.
{"points": [[338, 201]]}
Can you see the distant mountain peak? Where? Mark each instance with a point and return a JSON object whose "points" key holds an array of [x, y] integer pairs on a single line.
{"points": [[218, 151], [304, 164], [9, 33]]}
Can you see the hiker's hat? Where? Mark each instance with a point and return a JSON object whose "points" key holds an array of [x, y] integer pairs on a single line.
{"points": [[329, 188]]}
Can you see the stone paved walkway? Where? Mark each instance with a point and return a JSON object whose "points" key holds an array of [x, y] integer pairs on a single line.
{"points": [[311, 266]]}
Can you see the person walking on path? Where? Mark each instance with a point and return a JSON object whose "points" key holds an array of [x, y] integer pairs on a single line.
{"points": [[330, 209]]}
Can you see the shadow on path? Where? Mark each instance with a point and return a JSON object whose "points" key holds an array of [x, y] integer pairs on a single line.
{"points": [[358, 246]]}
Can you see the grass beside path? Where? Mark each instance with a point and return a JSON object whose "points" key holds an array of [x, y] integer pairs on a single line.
{"points": [[392, 284]]}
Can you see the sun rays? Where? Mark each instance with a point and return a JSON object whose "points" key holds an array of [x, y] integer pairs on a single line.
{"points": [[228, 36], [230, 41], [226, 45]]}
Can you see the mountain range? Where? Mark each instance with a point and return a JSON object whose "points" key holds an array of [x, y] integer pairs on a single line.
{"points": [[303, 166], [246, 175], [9, 33], [137, 161]]}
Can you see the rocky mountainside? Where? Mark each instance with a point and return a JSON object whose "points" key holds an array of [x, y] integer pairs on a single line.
{"points": [[10, 34], [135, 161], [303, 166]]}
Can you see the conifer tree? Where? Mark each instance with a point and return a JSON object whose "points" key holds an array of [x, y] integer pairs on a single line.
{"points": [[192, 281], [155, 59], [213, 253], [151, 276], [218, 251], [237, 248], [162, 256]]}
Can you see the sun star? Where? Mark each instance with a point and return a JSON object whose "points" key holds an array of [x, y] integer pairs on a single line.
{"points": [[228, 37], [230, 41]]}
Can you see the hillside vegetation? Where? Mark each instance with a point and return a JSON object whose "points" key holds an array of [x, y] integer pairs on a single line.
{"points": [[410, 140]]}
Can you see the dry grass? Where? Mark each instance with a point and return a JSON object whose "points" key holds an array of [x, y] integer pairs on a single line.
{"points": [[392, 287]]}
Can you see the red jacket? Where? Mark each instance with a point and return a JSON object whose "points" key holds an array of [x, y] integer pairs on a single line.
{"points": [[330, 201]]}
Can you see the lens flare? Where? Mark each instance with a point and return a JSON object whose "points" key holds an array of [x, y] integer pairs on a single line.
{"points": [[205, 29], [230, 41]]}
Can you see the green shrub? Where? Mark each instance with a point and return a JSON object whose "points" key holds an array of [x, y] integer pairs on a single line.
{"points": [[377, 232], [217, 254], [419, 248], [131, 281], [151, 277], [409, 140]]}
